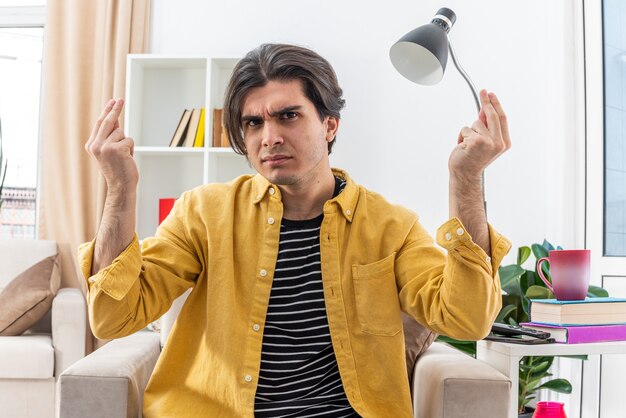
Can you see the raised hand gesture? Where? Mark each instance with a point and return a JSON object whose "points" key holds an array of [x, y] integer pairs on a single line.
{"points": [[113, 150], [479, 145], [114, 153]]}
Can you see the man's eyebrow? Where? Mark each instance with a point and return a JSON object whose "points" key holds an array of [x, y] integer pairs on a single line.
{"points": [[246, 118], [285, 110], [277, 112]]}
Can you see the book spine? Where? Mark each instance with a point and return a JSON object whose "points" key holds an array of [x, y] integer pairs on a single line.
{"points": [[595, 334], [217, 128], [582, 334], [199, 139], [192, 129], [165, 206]]}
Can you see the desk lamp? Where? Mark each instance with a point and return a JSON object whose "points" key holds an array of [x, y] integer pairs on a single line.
{"points": [[421, 56]]}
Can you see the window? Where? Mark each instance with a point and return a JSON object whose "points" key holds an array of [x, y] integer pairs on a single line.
{"points": [[21, 50], [614, 128]]}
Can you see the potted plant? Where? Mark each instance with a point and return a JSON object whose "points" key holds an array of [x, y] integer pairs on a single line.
{"points": [[3, 166], [520, 285]]}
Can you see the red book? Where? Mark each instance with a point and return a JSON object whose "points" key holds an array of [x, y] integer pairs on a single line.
{"points": [[165, 206], [581, 333]]}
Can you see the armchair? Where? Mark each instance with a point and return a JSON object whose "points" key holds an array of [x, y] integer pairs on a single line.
{"points": [[31, 363], [109, 383]]}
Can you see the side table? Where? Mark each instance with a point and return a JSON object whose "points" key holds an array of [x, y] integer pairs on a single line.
{"points": [[505, 357]]}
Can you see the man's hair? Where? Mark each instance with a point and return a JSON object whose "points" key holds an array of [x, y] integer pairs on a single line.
{"points": [[283, 63]]}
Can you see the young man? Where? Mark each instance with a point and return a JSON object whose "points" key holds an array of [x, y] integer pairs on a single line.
{"points": [[299, 275]]}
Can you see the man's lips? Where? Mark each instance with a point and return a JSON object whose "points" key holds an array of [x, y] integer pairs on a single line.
{"points": [[274, 160]]}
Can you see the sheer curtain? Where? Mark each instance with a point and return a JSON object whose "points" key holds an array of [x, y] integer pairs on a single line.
{"points": [[84, 65]]}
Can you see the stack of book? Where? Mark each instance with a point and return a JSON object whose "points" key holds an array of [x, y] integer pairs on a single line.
{"points": [[190, 129], [580, 321]]}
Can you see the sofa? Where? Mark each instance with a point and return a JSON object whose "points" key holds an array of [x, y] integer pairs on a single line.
{"points": [[109, 383], [31, 360]]}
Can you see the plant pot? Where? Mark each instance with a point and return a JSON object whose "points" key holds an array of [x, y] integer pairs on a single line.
{"points": [[528, 413]]}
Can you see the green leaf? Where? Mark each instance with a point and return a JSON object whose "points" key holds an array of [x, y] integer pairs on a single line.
{"points": [[547, 245], [468, 347], [597, 292], [557, 385], [522, 255], [504, 312], [523, 283], [525, 367], [539, 251], [509, 279], [541, 368], [539, 292], [533, 279], [525, 310], [577, 357]]}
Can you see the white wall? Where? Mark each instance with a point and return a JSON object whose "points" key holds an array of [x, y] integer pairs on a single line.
{"points": [[396, 136]]}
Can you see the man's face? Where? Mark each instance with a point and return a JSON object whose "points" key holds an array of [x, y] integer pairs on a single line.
{"points": [[287, 142]]}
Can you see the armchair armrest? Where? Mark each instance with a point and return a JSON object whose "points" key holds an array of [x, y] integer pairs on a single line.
{"points": [[450, 384], [109, 383], [69, 328]]}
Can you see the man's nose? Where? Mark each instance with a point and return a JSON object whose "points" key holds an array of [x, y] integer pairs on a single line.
{"points": [[272, 135]]}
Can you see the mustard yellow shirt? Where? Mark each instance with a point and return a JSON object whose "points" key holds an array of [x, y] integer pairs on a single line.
{"points": [[222, 240]]}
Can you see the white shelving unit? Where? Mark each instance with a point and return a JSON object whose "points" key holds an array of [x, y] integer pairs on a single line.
{"points": [[505, 358], [158, 89]]}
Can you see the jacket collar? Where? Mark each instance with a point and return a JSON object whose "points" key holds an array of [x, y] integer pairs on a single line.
{"points": [[346, 200]]}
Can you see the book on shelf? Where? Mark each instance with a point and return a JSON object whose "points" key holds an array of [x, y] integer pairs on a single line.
{"points": [[179, 134], [198, 141], [192, 129], [581, 333], [220, 137], [590, 311], [225, 141], [217, 128], [165, 206]]}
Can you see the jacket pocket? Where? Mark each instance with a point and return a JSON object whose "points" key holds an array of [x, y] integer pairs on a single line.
{"points": [[376, 297]]}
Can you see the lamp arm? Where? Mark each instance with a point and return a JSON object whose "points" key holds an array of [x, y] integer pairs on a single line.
{"points": [[476, 101], [464, 74]]}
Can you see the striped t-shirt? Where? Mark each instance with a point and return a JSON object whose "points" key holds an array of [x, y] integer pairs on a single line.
{"points": [[299, 376]]}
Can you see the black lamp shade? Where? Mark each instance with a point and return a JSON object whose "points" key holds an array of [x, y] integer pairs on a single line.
{"points": [[421, 55]]}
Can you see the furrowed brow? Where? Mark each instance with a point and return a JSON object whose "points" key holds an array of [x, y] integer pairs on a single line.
{"points": [[247, 118], [285, 110], [278, 112]]}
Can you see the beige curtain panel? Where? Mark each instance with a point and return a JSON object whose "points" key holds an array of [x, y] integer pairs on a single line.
{"points": [[85, 49]]}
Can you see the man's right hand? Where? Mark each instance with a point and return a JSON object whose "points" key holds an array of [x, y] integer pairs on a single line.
{"points": [[113, 150]]}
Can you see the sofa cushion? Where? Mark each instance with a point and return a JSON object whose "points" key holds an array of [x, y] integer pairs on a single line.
{"points": [[417, 338], [26, 357], [16, 255], [28, 297]]}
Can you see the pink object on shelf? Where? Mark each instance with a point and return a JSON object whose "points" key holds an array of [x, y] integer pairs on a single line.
{"points": [[549, 410], [581, 333], [570, 273], [165, 206]]}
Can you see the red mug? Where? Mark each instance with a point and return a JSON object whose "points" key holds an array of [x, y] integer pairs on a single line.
{"points": [[549, 410], [570, 273]]}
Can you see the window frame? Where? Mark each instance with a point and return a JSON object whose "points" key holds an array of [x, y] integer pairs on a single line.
{"points": [[28, 17], [22, 17]]}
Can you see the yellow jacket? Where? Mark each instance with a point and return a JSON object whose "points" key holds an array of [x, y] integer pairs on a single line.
{"points": [[222, 240]]}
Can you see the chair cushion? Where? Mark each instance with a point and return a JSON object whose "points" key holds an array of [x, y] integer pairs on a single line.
{"points": [[417, 339], [26, 357], [28, 297]]}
